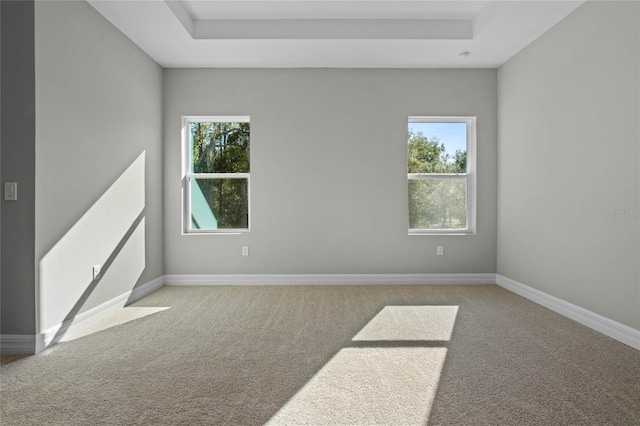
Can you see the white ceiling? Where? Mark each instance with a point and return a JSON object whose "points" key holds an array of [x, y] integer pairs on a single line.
{"points": [[333, 33]]}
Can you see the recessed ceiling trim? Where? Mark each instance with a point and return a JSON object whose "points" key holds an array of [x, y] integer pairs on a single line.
{"points": [[183, 16], [331, 9], [331, 29]]}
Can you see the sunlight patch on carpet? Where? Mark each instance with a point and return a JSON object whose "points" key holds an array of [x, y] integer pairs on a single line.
{"points": [[407, 323], [122, 316], [368, 386], [378, 384]]}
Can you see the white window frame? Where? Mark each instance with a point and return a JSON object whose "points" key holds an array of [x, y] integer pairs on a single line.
{"points": [[187, 175], [469, 176]]}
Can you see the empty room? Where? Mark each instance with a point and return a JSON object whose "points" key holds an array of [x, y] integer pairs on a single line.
{"points": [[305, 212]]}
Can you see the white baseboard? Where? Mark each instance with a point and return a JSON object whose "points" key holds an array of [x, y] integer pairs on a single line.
{"points": [[29, 344], [145, 289], [620, 332], [329, 279]]}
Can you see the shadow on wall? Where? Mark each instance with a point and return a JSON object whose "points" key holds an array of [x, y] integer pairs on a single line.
{"points": [[110, 234]]}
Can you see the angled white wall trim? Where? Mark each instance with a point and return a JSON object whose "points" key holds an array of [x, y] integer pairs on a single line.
{"points": [[620, 332], [56, 333], [46, 338], [330, 279], [30, 344]]}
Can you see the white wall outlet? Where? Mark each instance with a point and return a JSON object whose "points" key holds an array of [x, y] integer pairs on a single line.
{"points": [[440, 251], [245, 250], [11, 191], [96, 271]]}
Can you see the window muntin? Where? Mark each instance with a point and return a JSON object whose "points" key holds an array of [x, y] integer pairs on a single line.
{"points": [[441, 175], [217, 174]]}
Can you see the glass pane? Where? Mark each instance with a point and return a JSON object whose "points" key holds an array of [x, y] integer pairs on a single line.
{"points": [[219, 147], [437, 148], [437, 203], [219, 204]]}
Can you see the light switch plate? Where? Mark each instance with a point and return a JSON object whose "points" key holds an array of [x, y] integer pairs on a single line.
{"points": [[10, 191]]}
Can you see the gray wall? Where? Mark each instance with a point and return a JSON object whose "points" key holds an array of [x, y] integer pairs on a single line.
{"points": [[328, 164], [98, 161], [569, 152], [83, 139], [17, 282]]}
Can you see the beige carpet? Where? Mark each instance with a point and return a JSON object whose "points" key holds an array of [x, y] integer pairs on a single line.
{"points": [[393, 355]]}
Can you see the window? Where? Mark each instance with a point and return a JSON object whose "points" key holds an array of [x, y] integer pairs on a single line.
{"points": [[441, 175], [216, 174]]}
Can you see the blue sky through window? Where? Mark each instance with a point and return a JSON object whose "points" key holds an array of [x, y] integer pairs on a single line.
{"points": [[453, 135]]}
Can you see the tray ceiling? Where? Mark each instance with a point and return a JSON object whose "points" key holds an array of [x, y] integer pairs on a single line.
{"points": [[333, 33]]}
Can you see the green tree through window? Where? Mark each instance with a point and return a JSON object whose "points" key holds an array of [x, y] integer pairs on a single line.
{"points": [[438, 182], [219, 174]]}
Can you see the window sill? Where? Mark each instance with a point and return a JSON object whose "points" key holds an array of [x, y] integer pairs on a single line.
{"points": [[229, 232], [441, 232]]}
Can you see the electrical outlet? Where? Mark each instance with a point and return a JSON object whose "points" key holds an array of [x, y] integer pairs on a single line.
{"points": [[245, 250], [96, 272], [440, 251]]}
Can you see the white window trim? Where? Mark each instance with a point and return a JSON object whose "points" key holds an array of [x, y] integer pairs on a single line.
{"points": [[187, 176], [470, 176]]}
